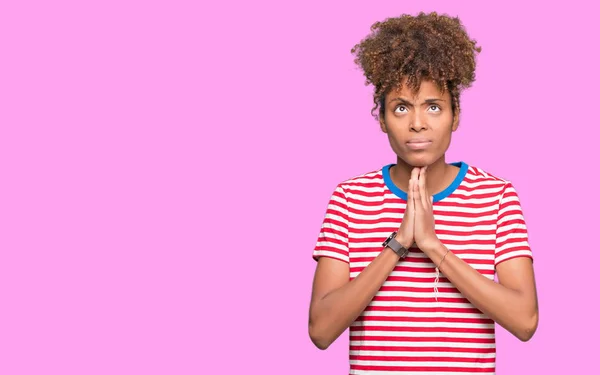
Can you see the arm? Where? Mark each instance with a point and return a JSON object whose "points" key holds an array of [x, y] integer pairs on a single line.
{"points": [[336, 302], [512, 302]]}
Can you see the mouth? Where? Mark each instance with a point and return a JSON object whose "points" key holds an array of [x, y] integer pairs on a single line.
{"points": [[418, 144]]}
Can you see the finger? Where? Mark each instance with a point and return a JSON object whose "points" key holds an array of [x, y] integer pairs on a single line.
{"points": [[426, 191], [414, 178], [413, 198], [414, 175], [423, 187], [409, 198], [416, 194]]}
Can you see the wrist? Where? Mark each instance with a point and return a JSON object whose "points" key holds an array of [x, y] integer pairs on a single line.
{"points": [[434, 248], [403, 241]]}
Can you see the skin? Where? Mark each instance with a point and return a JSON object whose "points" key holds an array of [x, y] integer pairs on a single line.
{"points": [[426, 114], [336, 302]]}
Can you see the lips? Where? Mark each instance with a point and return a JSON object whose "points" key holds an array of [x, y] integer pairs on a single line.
{"points": [[418, 143]]}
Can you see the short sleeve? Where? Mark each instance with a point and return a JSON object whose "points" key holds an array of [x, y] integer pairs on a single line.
{"points": [[511, 233], [333, 237]]}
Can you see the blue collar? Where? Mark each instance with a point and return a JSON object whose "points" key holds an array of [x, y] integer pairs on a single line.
{"points": [[464, 168]]}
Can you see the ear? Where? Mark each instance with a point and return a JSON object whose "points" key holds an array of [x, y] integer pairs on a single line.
{"points": [[381, 115], [382, 124], [455, 120]]}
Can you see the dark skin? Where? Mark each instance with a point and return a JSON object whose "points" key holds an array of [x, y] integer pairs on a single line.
{"points": [[421, 171], [427, 115]]}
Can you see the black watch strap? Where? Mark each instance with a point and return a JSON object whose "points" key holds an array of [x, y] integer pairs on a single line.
{"points": [[396, 246]]}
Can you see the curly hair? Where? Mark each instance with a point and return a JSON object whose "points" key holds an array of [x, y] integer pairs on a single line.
{"points": [[427, 46]]}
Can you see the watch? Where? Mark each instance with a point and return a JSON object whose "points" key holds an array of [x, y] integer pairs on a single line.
{"points": [[396, 246]]}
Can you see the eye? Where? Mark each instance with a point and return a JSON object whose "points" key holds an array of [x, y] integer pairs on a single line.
{"points": [[435, 108], [401, 109]]}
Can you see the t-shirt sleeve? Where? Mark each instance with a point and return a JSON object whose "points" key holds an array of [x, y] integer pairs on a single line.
{"points": [[511, 233], [333, 237]]}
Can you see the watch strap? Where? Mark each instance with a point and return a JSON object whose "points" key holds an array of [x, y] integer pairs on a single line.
{"points": [[396, 246]]}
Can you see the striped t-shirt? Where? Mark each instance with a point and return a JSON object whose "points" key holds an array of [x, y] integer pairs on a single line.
{"points": [[404, 329]]}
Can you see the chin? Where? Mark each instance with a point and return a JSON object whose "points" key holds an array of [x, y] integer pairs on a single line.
{"points": [[418, 161]]}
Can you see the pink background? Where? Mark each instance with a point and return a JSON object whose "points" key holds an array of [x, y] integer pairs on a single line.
{"points": [[165, 168]]}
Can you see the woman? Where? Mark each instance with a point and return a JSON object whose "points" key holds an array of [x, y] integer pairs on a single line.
{"points": [[407, 254]]}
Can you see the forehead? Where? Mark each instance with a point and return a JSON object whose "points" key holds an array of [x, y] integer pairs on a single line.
{"points": [[427, 90]]}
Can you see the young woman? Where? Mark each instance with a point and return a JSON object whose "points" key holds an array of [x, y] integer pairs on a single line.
{"points": [[407, 254]]}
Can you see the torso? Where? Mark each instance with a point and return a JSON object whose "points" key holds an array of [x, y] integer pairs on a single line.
{"points": [[405, 329]]}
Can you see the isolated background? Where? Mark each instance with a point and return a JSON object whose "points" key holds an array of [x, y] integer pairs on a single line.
{"points": [[165, 167]]}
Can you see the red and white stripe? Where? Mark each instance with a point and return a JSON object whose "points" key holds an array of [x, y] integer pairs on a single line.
{"points": [[405, 330]]}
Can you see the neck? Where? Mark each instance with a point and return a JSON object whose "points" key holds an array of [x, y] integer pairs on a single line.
{"points": [[439, 175]]}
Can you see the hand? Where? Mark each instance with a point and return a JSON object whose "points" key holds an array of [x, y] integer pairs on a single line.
{"points": [[406, 233], [424, 223]]}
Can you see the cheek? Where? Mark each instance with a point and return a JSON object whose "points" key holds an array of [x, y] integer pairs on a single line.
{"points": [[396, 141], [444, 141], [396, 136]]}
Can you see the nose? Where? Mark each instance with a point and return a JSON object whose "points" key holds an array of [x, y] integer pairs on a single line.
{"points": [[418, 123]]}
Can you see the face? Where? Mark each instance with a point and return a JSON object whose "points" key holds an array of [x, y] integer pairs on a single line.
{"points": [[419, 124]]}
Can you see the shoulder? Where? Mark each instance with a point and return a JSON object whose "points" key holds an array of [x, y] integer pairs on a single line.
{"points": [[370, 179], [480, 178], [360, 187]]}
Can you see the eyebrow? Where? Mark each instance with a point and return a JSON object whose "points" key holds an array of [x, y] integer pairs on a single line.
{"points": [[405, 101]]}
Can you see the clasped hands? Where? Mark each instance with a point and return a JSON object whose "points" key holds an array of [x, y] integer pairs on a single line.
{"points": [[418, 224]]}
